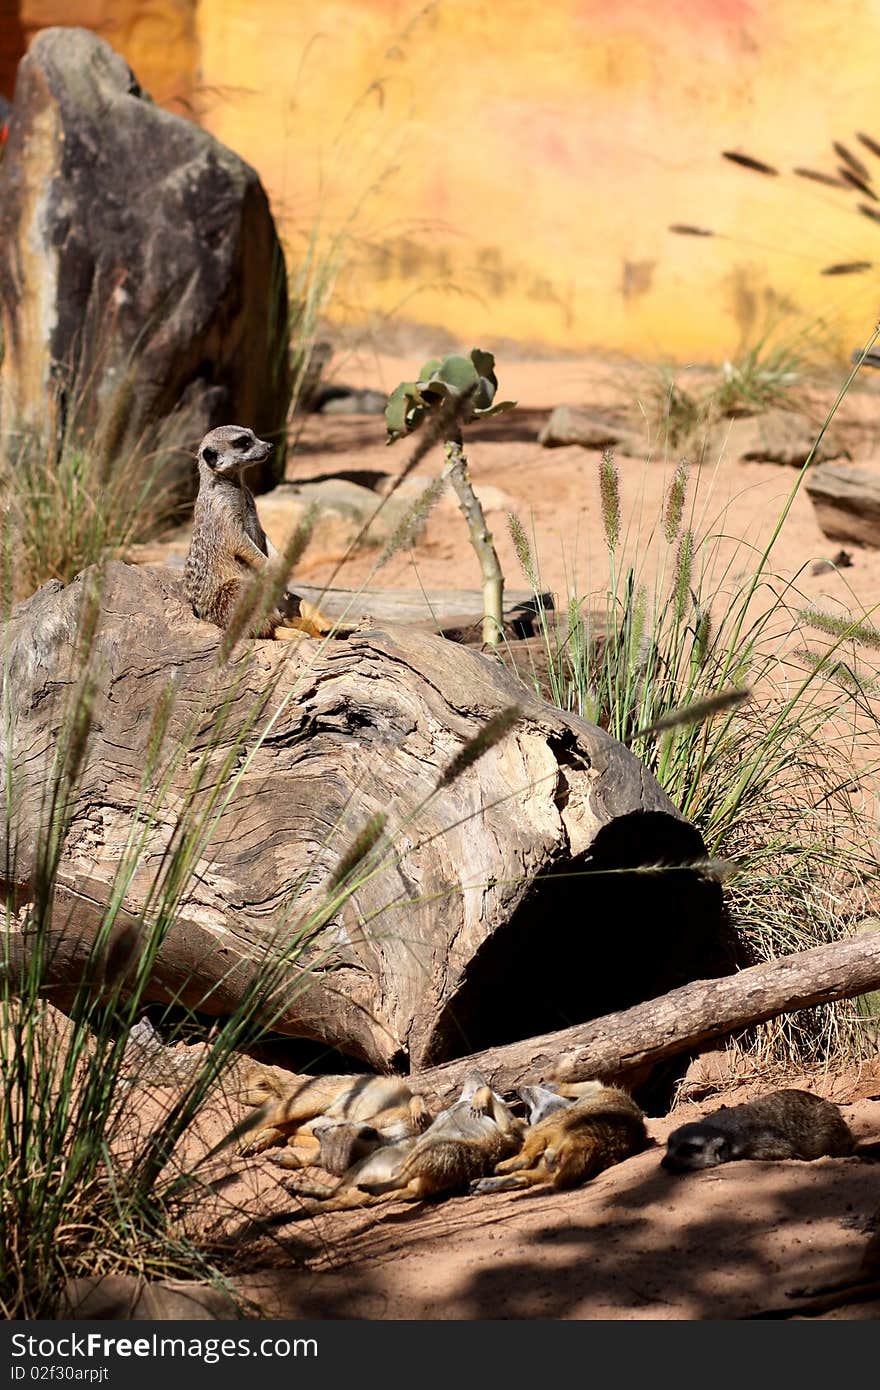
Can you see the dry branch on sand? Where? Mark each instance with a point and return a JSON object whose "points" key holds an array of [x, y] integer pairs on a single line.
{"points": [[697, 1013]]}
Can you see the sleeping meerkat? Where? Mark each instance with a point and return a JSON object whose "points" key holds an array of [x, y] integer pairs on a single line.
{"points": [[601, 1128], [229, 546], [542, 1100], [342, 1142], [783, 1124], [464, 1142], [296, 1107]]}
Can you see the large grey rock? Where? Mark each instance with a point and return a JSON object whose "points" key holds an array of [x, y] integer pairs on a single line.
{"points": [[847, 502], [572, 425], [142, 283]]}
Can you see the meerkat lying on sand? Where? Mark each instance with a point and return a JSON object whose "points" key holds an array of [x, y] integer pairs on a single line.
{"points": [[229, 546], [343, 1142], [299, 1106], [464, 1142], [783, 1124], [570, 1144]]}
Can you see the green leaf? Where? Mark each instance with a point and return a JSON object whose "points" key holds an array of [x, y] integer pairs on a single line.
{"points": [[431, 366], [458, 373], [496, 409], [404, 411], [484, 395], [484, 362]]}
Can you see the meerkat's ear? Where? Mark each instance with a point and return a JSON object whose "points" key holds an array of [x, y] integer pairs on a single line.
{"points": [[210, 456]]}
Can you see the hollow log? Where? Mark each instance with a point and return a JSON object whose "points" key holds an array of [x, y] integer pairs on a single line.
{"points": [[678, 1022], [552, 881]]}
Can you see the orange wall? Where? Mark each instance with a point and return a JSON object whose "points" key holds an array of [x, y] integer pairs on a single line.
{"points": [[526, 158], [512, 169]]}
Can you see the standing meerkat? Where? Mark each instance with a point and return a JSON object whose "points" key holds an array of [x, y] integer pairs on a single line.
{"points": [[601, 1128], [783, 1124], [229, 547]]}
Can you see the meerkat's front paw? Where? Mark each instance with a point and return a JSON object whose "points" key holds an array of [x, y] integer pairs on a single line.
{"points": [[288, 1159], [480, 1186], [262, 1139]]}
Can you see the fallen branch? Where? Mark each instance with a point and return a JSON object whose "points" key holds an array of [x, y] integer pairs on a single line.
{"points": [[693, 1014]]}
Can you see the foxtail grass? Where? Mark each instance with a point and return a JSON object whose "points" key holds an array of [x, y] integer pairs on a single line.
{"points": [[101, 1174], [782, 784]]}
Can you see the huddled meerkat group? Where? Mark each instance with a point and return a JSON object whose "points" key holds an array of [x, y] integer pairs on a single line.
{"points": [[379, 1138]]}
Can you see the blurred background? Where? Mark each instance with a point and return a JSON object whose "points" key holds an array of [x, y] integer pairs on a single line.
{"points": [[514, 172]]}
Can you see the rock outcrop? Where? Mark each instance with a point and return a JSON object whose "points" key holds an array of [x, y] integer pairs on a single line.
{"points": [[142, 282], [846, 498]]}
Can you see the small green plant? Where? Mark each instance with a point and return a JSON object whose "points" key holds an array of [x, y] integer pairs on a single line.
{"points": [[675, 415], [449, 392], [81, 493], [764, 375]]}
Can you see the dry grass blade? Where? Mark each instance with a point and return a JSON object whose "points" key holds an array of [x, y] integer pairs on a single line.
{"points": [[747, 161], [361, 847]]}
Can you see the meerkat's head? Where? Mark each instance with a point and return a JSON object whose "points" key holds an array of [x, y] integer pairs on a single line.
{"points": [[231, 448], [541, 1101], [473, 1082], [698, 1145]]}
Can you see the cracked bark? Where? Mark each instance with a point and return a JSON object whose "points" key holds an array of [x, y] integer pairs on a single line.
{"points": [[499, 918]]}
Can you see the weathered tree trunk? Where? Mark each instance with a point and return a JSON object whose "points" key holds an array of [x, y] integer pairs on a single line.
{"points": [[677, 1022], [522, 896]]}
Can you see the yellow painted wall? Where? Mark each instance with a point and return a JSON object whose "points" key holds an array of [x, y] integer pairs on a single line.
{"points": [[511, 169], [528, 157]]}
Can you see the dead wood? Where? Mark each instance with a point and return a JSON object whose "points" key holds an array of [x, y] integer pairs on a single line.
{"points": [[679, 1021], [518, 898]]}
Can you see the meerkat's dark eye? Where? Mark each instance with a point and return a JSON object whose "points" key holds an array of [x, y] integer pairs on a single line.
{"points": [[210, 456], [242, 442]]}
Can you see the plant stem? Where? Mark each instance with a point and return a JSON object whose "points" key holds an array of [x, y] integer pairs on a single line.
{"points": [[481, 540]]}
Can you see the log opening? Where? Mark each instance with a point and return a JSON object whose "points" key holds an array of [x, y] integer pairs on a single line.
{"points": [[588, 940]]}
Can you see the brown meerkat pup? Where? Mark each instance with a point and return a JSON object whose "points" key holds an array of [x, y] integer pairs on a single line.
{"points": [[464, 1142], [569, 1145], [229, 547], [783, 1124]]}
